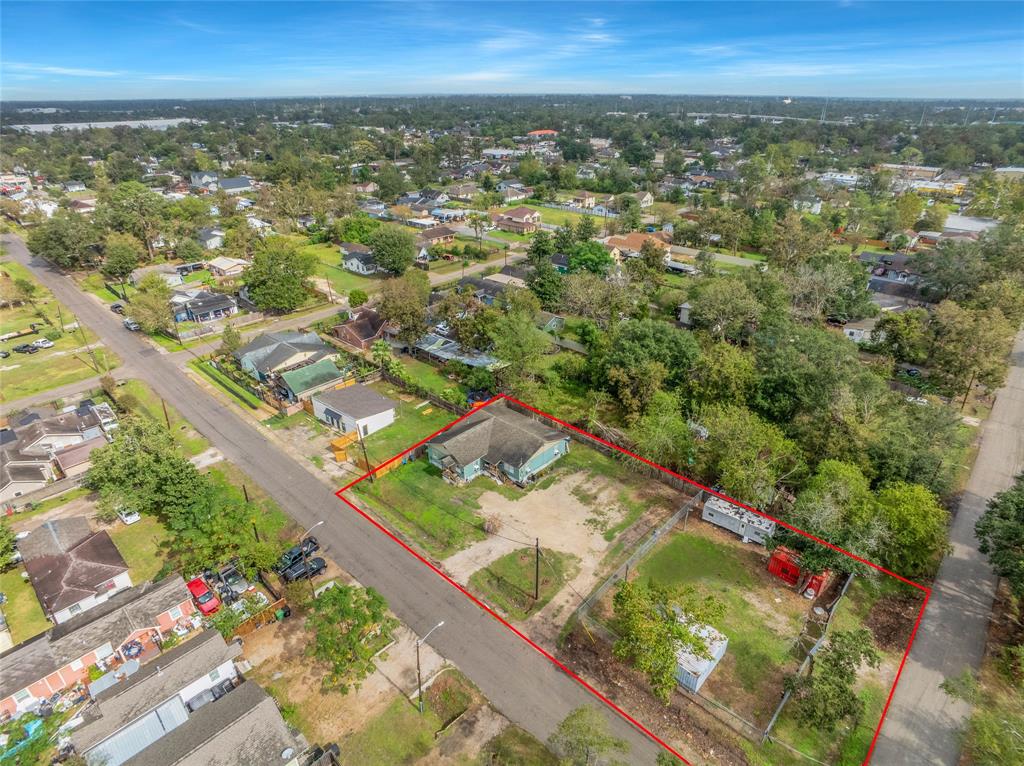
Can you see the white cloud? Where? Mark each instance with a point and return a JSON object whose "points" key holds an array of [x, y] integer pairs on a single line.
{"points": [[60, 71]]}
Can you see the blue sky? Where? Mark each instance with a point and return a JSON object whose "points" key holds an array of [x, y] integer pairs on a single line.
{"points": [[180, 50]]}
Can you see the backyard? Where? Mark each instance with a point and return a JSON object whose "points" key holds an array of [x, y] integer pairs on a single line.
{"points": [[329, 267], [75, 354]]}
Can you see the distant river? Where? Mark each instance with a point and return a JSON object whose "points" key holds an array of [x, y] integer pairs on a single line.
{"points": [[49, 127]]}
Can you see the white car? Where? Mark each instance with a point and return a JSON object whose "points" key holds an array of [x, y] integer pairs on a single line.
{"points": [[43, 343], [128, 516]]}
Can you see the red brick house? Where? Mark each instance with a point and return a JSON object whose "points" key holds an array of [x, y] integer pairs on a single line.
{"points": [[58, 659]]}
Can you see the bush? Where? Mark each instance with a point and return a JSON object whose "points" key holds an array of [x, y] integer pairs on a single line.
{"points": [[52, 333], [357, 297]]}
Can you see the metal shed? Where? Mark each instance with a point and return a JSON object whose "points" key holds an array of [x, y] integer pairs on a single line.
{"points": [[749, 526], [692, 671]]}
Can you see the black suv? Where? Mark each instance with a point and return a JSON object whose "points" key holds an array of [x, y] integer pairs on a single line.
{"points": [[307, 547], [302, 570]]}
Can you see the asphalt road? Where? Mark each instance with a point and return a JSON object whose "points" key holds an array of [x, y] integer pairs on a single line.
{"points": [[922, 724], [520, 682]]}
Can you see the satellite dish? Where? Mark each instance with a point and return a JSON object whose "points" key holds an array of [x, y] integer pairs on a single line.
{"points": [[287, 753]]}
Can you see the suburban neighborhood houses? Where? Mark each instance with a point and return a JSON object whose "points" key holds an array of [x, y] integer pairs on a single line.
{"points": [[481, 425]]}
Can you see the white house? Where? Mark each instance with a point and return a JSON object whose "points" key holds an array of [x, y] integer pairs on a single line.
{"points": [[211, 237], [223, 266], [355, 408], [357, 258]]}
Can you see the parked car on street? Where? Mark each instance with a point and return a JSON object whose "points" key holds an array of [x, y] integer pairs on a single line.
{"points": [[205, 598], [117, 308], [304, 569], [132, 325], [26, 348], [43, 343], [296, 552]]}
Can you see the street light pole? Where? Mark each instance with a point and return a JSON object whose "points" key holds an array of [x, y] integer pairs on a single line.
{"points": [[305, 563], [419, 674]]}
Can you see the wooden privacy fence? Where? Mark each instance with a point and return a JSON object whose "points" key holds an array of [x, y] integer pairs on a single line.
{"points": [[258, 620]]}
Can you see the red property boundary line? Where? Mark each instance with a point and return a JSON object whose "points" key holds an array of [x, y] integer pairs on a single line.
{"points": [[619, 711]]}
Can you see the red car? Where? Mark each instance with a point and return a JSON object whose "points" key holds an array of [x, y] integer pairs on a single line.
{"points": [[205, 598]]}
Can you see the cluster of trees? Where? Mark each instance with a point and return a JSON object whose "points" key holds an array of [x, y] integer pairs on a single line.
{"points": [[209, 519]]}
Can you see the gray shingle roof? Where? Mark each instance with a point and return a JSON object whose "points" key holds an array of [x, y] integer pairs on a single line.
{"points": [[242, 728], [358, 401], [113, 621], [497, 434], [272, 348], [155, 683]]}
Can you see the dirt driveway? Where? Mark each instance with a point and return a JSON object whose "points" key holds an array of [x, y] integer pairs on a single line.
{"points": [[80, 506], [571, 516]]}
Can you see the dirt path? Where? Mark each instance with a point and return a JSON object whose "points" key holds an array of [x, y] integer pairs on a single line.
{"points": [[80, 506]]}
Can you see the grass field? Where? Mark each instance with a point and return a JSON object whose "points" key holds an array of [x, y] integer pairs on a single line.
{"points": [[510, 236], [426, 375], [554, 216], [219, 379], [516, 747], [329, 266], [24, 615], [761, 620], [400, 735], [508, 582], [141, 546], [69, 361]]}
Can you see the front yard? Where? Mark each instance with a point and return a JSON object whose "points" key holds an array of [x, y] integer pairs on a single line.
{"points": [[22, 610], [329, 267], [75, 354]]}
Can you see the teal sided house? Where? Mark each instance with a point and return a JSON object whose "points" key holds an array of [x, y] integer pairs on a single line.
{"points": [[499, 442]]}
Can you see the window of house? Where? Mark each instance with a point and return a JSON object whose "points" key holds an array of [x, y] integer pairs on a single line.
{"points": [[215, 675], [365, 430], [175, 613], [75, 608], [22, 695], [76, 665]]}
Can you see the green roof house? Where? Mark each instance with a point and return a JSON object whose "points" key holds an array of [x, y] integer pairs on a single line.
{"points": [[302, 382]]}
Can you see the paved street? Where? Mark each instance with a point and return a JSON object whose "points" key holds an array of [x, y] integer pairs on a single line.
{"points": [[921, 728], [520, 683]]}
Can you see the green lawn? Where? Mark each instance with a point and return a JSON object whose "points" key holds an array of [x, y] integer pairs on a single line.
{"points": [[241, 395], [554, 216], [399, 735], [509, 582], [69, 361], [328, 259], [510, 236], [140, 398], [141, 546], [95, 283], [410, 426], [757, 648], [426, 375], [516, 747], [24, 615]]}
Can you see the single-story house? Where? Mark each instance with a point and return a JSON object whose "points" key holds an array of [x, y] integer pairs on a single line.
{"points": [[200, 305], [807, 203], [361, 330], [56, 660], [629, 245], [72, 568], [18, 480], [498, 441], [276, 352], [223, 266], [302, 382], [236, 185], [76, 459], [354, 408], [83, 206], [693, 670], [437, 235], [549, 322], [358, 258], [441, 350], [644, 198], [366, 187], [73, 186], [258, 225], [860, 331], [133, 713], [204, 179], [584, 200], [516, 194], [211, 237]]}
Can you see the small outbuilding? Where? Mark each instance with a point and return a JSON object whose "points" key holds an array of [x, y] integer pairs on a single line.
{"points": [[354, 408], [692, 670], [750, 526]]}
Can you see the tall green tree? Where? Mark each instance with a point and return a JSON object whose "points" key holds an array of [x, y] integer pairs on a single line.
{"points": [[67, 239], [583, 739], [349, 625], [655, 623], [121, 254], [916, 528], [279, 277], [827, 696], [134, 209], [404, 304], [394, 248], [151, 306], [1001, 532]]}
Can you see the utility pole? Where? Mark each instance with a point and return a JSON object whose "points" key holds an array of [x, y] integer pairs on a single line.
{"points": [[245, 493], [60, 318], [167, 418], [419, 673], [366, 458], [536, 570]]}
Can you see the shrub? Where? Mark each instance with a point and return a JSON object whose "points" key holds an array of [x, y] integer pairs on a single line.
{"points": [[357, 297]]}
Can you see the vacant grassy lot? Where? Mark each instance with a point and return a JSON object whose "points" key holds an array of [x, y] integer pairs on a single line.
{"points": [[74, 355], [510, 236], [761, 621], [24, 615], [516, 747], [400, 735], [329, 267], [241, 395], [142, 546], [554, 216], [508, 583], [427, 375]]}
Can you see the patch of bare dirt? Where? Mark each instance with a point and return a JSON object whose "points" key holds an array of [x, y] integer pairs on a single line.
{"points": [[462, 743], [691, 731], [891, 621]]}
